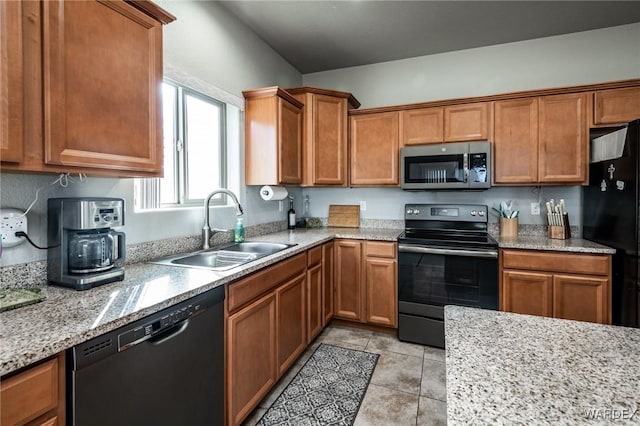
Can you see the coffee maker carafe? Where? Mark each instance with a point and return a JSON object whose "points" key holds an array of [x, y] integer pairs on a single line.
{"points": [[84, 251]]}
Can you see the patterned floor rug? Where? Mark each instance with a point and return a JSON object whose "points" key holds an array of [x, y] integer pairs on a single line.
{"points": [[328, 390]]}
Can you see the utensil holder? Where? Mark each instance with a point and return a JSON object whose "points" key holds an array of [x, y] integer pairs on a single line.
{"points": [[509, 227], [562, 232]]}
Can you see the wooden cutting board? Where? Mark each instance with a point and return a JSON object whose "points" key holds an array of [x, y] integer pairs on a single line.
{"points": [[345, 216]]}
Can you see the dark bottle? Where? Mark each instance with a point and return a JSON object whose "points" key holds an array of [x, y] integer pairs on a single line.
{"points": [[291, 224]]}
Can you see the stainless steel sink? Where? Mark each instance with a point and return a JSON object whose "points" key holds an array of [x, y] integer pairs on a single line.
{"points": [[224, 257]]}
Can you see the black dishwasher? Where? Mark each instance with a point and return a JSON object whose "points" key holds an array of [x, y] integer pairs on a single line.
{"points": [[165, 369]]}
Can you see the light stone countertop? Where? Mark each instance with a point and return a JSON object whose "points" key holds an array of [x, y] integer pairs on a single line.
{"points": [[68, 317], [534, 242], [505, 368]]}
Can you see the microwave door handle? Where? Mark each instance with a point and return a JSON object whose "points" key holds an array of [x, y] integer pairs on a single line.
{"points": [[465, 166]]}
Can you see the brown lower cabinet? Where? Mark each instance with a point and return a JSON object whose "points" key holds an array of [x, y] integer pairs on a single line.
{"points": [[35, 396], [271, 316], [556, 284], [366, 282]]}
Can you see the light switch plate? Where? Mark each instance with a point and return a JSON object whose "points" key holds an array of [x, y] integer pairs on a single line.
{"points": [[535, 208], [363, 206]]}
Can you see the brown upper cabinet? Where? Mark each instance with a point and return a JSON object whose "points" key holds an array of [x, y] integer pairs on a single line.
{"points": [[374, 141], [616, 106], [457, 123], [11, 82], [563, 139], [466, 122], [422, 126], [93, 103], [515, 141], [273, 137], [324, 141], [541, 140]]}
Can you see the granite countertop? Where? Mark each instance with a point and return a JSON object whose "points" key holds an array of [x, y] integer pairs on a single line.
{"points": [[536, 242], [505, 368], [68, 317]]}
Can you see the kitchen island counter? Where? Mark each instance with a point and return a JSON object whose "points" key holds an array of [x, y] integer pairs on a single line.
{"points": [[505, 368], [68, 317]]}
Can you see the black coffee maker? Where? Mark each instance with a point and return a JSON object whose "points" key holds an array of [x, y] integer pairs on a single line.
{"points": [[84, 249]]}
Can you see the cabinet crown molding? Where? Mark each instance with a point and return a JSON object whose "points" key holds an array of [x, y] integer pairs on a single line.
{"points": [[351, 100], [265, 92], [503, 96]]}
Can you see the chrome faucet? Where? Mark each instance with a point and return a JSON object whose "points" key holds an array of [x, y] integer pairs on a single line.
{"points": [[207, 232]]}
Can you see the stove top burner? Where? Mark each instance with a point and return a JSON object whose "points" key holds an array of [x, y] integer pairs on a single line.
{"points": [[448, 238], [447, 225]]}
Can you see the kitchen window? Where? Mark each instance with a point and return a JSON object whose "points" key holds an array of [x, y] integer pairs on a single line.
{"points": [[194, 136]]}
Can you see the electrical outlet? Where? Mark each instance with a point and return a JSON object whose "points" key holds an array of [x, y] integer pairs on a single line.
{"points": [[363, 206], [535, 209], [12, 221]]}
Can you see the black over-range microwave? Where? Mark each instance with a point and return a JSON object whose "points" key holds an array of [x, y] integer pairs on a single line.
{"points": [[465, 165]]}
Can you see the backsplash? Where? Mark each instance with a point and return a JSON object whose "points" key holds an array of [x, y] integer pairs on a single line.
{"points": [[34, 274]]}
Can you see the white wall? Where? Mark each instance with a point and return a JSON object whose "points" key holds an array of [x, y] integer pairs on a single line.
{"points": [[580, 58], [588, 57], [205, 46]]}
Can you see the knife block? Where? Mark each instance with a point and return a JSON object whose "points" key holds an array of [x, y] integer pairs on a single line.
{"points": [[560, 232]]}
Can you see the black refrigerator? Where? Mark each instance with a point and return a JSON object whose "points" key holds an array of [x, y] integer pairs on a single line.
{"points": [[611, 212]]}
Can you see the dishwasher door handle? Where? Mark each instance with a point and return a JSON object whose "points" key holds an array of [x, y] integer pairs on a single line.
{"points": [[169, 334]]}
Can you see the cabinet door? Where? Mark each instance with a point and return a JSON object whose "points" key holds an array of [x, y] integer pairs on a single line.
{"points": [[11, 82], [314, 302], [527, 293], [515, 141], [349, 290], [289, 143], [616, 106], [562, 155], [329, 140], [381, 290], [467, 122], [581, 298], [422, 126], [291, 330], [327, 283], [102, 68], [251, 357], [374, 140], [29, 394]]}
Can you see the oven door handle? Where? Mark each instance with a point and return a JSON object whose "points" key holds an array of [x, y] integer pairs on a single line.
{"points": [[487, 254]]}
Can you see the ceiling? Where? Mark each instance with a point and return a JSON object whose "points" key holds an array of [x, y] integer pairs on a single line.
{"points": [[322, 35]]}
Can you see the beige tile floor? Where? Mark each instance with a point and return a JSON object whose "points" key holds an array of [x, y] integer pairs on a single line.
{"points": [[407, 387]]}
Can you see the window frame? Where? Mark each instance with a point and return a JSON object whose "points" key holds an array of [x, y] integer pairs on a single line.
{"points": [[180, 148]]}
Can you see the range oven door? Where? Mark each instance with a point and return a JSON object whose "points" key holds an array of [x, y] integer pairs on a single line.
{"points": [[431, 277]]}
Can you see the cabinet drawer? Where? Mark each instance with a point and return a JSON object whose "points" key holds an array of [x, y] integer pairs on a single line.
{"points": [[244, 290], [314, 256], [590, 264], [380, 249], [29, 394]]}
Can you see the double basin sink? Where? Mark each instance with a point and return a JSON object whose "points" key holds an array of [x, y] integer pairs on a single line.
{"points": [[224, 257]]}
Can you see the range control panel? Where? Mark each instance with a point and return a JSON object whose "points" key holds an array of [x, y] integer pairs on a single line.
{"points": [[146, 331], [446, 212]]}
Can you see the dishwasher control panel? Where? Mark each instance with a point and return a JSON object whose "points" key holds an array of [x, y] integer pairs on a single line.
{"points": [[152, 328]]}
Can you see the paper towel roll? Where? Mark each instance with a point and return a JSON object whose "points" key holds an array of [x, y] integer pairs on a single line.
{"points": [[273, 193]]}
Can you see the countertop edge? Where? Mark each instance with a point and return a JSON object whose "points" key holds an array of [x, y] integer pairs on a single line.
{"points": [[15, 360]]}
